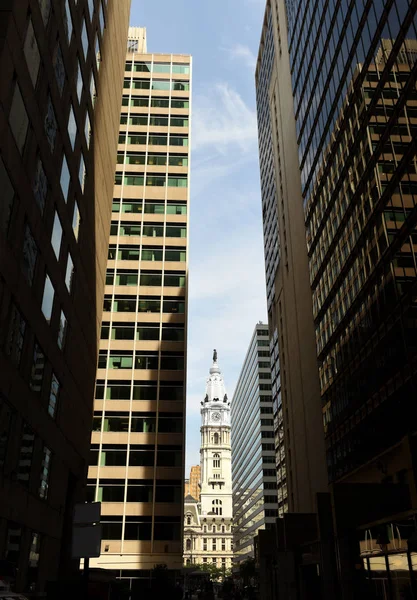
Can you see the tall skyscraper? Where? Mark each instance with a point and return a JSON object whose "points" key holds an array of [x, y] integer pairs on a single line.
{"points": [[301, 470], [254, 481], [137, 453], [349, 70], [60, 90], [208, 523]]}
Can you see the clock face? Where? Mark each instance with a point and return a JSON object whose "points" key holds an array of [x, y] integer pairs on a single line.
{"points": [[216, 416]]}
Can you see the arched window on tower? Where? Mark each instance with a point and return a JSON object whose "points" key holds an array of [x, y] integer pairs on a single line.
{"points": [[188, 519], [188, 545], [214, 528], [217, 507], [216, 438], [216, 461]]}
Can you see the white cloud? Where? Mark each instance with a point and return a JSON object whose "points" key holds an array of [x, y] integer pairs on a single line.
{"points": [[221, 120], [243, 53]]}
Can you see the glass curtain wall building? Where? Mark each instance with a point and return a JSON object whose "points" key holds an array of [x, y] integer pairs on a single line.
{"points": [[137, 453], [61, 86], [353, 79], [254, 482]]}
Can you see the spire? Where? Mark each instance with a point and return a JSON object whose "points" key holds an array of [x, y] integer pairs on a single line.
{"points": [[215, 388]]}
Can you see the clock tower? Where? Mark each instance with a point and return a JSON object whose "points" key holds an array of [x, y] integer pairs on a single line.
{"points": [[215, 450]]}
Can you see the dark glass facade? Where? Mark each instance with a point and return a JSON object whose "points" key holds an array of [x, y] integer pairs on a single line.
{"points": [[355, 104]]}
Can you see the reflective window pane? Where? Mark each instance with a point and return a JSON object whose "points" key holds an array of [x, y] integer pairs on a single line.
{"points": [[45, 471], [72, 128], [40, 186], [51, 126], [18, 119], [69, 273], [82, 172], [56, 235], [29, 256], [31, 52], [48, 298], [62, 330], [68, 21], [53, 396], [76, 220], [59, 68], [84, 40], [65, 178]]}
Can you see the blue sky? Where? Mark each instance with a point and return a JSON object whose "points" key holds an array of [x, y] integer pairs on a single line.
{"points": [[227, 281]]}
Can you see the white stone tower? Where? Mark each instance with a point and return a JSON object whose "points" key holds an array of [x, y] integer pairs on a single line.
{"points": [[215, 450]]}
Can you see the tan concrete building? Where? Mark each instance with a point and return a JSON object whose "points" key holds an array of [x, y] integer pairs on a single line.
{"points": [[299, 439], [192, 485], [137, 453], [59, 108]]}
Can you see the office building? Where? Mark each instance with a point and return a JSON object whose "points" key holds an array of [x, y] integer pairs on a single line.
{"points": [[254, 480], [60, 91], [348, 75], [192, 485], [137, 452], [208, 524]]}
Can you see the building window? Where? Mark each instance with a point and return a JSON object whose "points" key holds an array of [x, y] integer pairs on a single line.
{"points": [[26, 454], [205, 529], [216, 461], [82, 172], [76, 221], [48, 298], [51, 126], [216, 438], [205, 560], [223, 544], [188, 561], [214, 545], [65, 178], [40, 186], [45, 471], [217, 507], [84, 40], [188, 520], [69, 274], [53, 396], [45, 8], [205, 544], [56, 235], [29, 256], [68, 21], [33, 564], [91, 8], [16, 335], [18, 119], [62, 331], [188, 545], [80, 83], [31, 52], [72, 128], [213, 528], [214, 560], [38, 366], [87, 129], [59, 68]]}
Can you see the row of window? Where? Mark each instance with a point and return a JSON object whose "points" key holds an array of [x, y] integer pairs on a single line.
{"points": [[135, 456], [140, 158], [124, 228], [157, 84], [157, 67], [136, 490], [139, 423], [146, 278], [142, 139], [154, 120], [117, 360], [151, 254], [141, 332], [136, 528], [160, 180], [148, 305], [149, 207], [155, 102], [141, 390]]}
